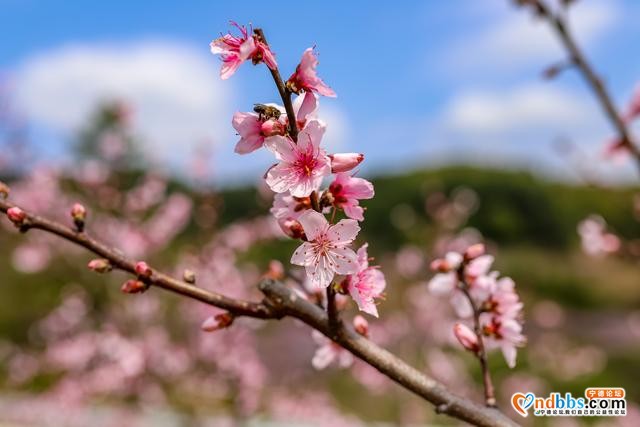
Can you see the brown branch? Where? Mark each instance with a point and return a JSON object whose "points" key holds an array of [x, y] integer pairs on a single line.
{"points": [[119, 261], [578, 59], [384, 361], [285, 93], [332, 311], [281, 301]]}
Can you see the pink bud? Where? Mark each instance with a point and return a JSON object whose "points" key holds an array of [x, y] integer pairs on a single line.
{"points": [[272, 127], [474, 251], [79, 214], [219, 321], [344, 162], [466, 336], [133, 287], [440, 265], [291, 228], [361, 325], [99, 265], [143, 269], [16, 216]]}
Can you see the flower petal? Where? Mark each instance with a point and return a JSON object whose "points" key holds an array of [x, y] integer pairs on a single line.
{"points": [[314, 224]]}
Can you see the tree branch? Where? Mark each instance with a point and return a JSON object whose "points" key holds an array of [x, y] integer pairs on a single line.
{"points": [[281, 301], [559, 25], [119, 261], [285, 94]]}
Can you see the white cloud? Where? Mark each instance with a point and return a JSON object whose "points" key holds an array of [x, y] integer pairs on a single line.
{"points": [[520, 109], [173, 89], [514, 38]]}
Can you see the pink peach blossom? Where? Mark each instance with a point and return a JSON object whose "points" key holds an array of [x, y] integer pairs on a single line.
{"points": [[503, 333], [326, 252], [301, 166], [234, 50], [305, 77], [329, 352], [347, 191], [286, 209], [596, 241], [367, 284]]}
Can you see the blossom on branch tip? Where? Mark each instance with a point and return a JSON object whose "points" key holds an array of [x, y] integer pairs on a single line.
{"points": [[329, 352], [306, 79], [344, 162], [347, 191], [466, 337], [234, 50], [100, 265], [367, 284], [326, 251], [301, 166]]}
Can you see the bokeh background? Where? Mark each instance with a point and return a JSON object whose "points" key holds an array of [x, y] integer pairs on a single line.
{"points": [[119, 105]]}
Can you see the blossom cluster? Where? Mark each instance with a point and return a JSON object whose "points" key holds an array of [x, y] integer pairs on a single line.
{"points": [[302, 208], [476, 291]]}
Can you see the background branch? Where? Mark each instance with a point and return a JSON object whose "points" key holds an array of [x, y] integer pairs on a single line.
{"points": [[578, 59]]}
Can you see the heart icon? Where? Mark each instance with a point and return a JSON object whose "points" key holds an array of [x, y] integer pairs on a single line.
{"points": [[522, 402]]}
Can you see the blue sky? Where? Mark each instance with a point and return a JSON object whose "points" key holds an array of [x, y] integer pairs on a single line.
{"points": [[419, 83]]}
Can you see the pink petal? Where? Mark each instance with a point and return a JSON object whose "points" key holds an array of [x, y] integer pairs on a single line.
{"points": [[363, 256], [249, 144], [305, 105], [509, 352], [320, 275], [304, 255], [442, 283], [283, 148], [461, 305], [309, 138], [314, 224], [344, 232], [353, 210], [280, 178], [345, 260], [323, 357]]}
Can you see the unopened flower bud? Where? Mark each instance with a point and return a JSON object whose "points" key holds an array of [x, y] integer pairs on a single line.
{"points": [[466, 336], [361, 325], [4, 190], [292, 228], [79, 214], [219, 321], [272, 127], [474, 251], [100, 265], [189, 276], [440, 266], [17, 216], [143, 269], [344, 162], [133, 286]]}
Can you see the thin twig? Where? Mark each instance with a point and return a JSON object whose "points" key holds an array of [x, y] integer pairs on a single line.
{"points": [[285, 94], [481, 354], [559, 24]]}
